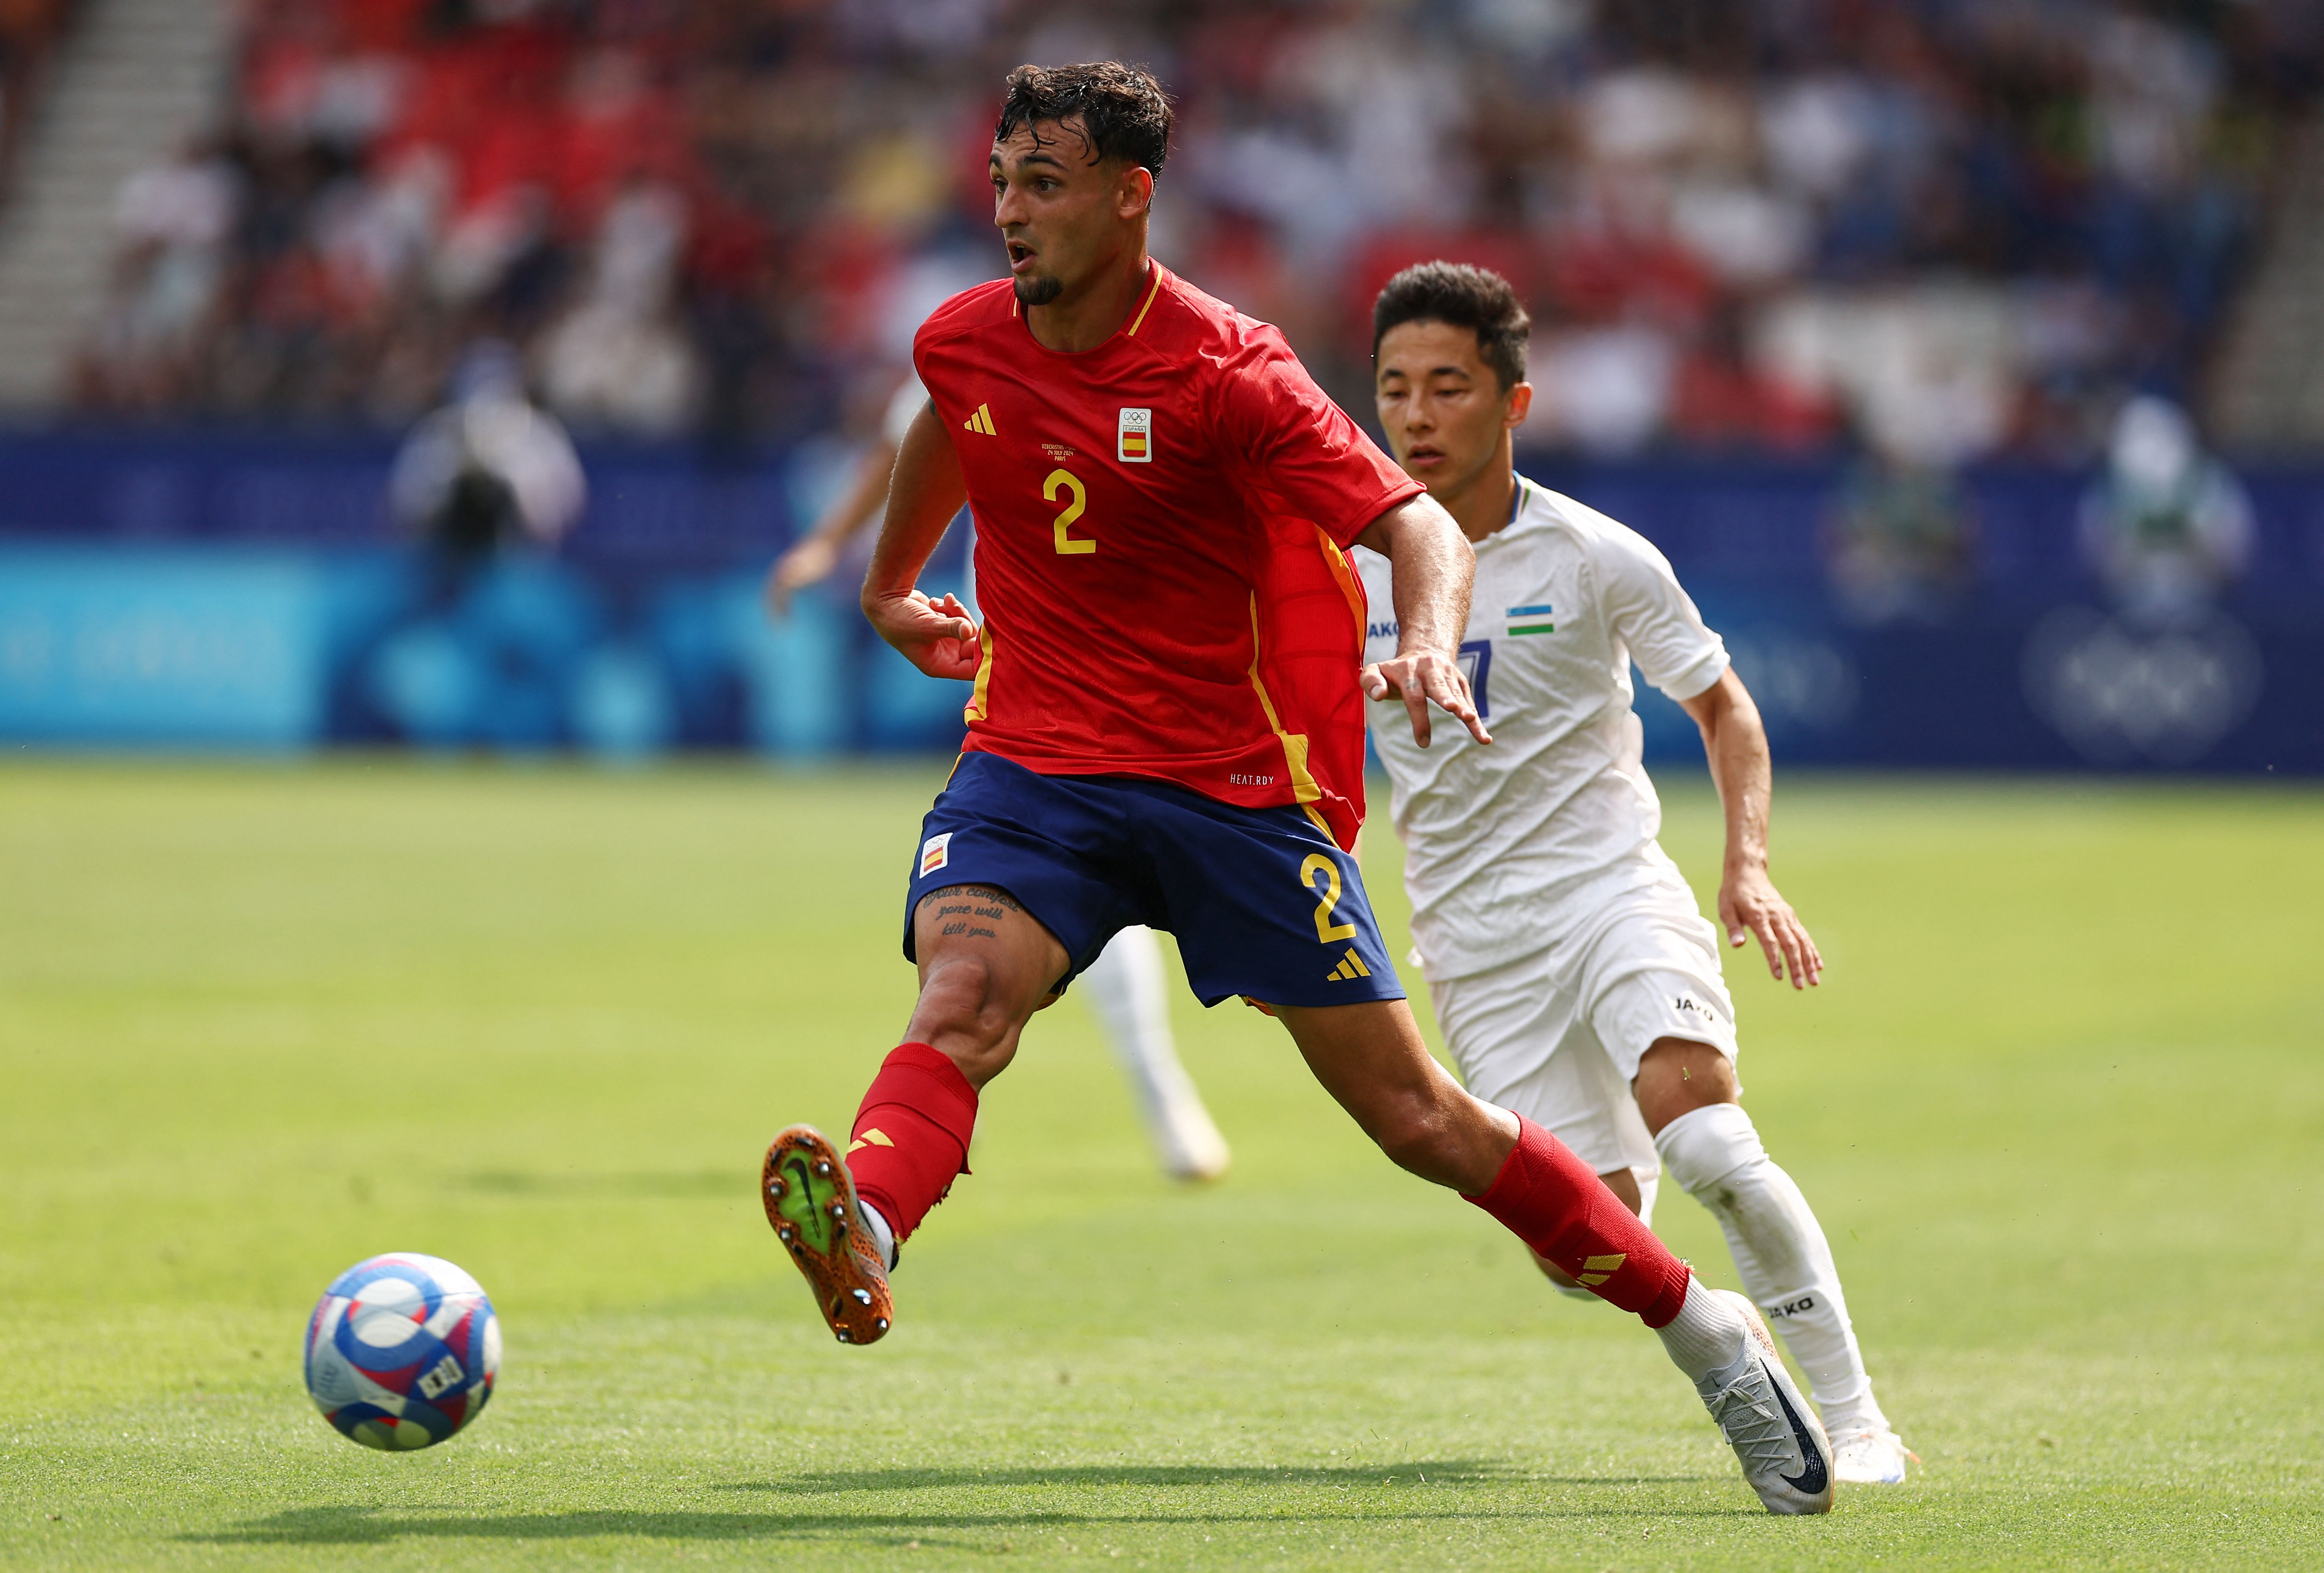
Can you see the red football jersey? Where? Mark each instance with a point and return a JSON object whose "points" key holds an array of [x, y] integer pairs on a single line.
{"points": [[1161, 523]]}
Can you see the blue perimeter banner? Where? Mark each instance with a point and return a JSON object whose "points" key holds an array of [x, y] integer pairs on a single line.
{"points": [[199, 590], [217, 647]]}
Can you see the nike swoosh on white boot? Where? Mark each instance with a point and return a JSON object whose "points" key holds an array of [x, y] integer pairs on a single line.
{"points": [[1776, 1437]]}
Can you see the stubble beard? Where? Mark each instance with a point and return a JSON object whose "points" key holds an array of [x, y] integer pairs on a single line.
{"points": [[1039, 290]]}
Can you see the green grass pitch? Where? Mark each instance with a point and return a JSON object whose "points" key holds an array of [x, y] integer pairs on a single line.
{"points": [[2061, 1105]]}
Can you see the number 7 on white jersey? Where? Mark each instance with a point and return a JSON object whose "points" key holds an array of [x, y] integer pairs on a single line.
{"points": [[1476, 663]]}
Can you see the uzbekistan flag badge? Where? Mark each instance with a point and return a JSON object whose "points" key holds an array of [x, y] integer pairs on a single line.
{"points": [[1133, 440]]}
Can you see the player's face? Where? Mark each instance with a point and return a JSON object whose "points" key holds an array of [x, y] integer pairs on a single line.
{"points": [[1441, 406], [1064, 216]]}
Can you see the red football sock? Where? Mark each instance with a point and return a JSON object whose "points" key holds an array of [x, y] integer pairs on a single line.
{"points": [[911, 1135], [1555, 1203]]}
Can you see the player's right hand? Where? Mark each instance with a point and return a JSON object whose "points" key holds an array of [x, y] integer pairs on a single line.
{"points": [[1750, 904], [939, 637], [1419, 677], [809, 562]]}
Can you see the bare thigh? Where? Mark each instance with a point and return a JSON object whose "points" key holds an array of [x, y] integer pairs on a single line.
{"points": [[986, 965], [1677, 1076], [1372, 1059]]}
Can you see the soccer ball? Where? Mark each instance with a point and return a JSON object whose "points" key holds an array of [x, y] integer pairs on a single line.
{"points": [[401, 1351]]}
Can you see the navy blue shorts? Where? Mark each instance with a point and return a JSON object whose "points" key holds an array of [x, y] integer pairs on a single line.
{"points": [[1262, 902]]}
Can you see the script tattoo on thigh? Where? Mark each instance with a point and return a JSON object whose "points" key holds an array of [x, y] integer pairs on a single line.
{"points": [[959, 906]]}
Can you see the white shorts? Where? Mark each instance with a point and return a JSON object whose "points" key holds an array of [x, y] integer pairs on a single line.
{"points": [[1556, 1036]]}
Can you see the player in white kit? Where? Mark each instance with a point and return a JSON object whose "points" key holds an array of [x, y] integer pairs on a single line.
{"points": [[1124, 985], [1576, 981]]}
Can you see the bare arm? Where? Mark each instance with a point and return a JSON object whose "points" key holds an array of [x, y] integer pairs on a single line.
{"points": [[926, 492], [1431, 564], [811, 559], [1736, 744]]}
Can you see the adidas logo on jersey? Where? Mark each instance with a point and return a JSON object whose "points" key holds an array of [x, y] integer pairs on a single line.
{"points": [[981, 421], [1598, 1269], [1351, 965]]}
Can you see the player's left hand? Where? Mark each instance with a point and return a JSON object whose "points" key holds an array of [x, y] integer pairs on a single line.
{"points": [[1419, 677], [1750, 904]]}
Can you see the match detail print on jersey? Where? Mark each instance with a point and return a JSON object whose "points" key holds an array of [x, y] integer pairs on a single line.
{"points": [[1134, 437]]}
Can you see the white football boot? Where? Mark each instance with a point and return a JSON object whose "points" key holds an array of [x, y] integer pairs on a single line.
{"points": [[1187, 1139], [1125, 990], [1775, 1436], [1870, 1457]]}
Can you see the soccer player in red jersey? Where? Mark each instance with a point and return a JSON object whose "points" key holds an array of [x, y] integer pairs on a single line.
{"points": [[1166, 727], [1125, 986]]}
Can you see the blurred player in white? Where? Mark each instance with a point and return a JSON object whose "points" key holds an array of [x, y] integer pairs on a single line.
{"points": [[1125, 983], [1576, 981]]}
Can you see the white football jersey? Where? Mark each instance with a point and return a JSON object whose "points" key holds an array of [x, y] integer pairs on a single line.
{"points": [[903, 409], [1507, 847]]}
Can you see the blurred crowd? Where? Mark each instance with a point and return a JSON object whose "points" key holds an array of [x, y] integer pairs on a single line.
{"points": [[29, 30], [1933, 230]]}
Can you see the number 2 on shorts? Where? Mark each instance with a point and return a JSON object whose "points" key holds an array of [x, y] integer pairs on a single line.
{"points": [[1326, 931]]}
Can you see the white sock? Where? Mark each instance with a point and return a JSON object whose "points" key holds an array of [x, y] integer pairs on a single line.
{"points": [[1780, 1253], [1705, 1338], [1126, 990], [881, 1234]]}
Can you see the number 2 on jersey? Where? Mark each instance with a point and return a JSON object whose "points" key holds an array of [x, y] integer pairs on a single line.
{"points": [[1326, 931], [1066, 481]]}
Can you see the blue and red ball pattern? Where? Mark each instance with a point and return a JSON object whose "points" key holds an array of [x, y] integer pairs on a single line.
{"points": [[401, 1351]]}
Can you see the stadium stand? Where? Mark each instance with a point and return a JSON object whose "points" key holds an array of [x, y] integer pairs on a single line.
{"points": [[1964, 356], [124, 82], [1955, 229], [28, 36]]}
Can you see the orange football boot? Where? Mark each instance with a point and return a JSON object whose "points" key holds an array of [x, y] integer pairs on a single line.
{"points": [[810, 1200]]}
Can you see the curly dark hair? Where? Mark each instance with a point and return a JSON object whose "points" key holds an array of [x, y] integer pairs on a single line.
{"points": [[1459, 296], [1124, 112]]}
